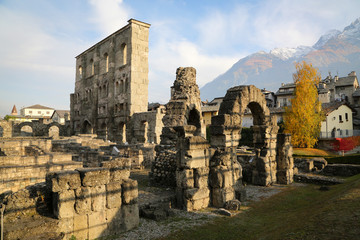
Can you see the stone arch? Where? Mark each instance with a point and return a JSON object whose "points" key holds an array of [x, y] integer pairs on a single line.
{"points": [[54, 131], [193, 118], [26, 130], [226, 129], [87, 127]]}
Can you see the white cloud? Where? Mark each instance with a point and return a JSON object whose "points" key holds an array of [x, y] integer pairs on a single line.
{"points": [[110, 15], [35, 66], [170, 51]]}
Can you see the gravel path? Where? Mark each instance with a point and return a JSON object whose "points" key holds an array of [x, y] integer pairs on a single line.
{"points": [[182, 220]]}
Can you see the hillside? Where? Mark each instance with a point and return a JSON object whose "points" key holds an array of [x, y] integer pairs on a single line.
{"points": [[336, 52]]}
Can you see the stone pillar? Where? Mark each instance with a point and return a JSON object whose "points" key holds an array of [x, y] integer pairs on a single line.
{"points": [[225, 177], [285, 161], [265, 136], [192, 191]]}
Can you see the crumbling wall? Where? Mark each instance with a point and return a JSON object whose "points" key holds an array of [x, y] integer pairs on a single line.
{"points": [[183, 109], [5, 129], [146, 127], [163, 168], [193, 157], [226, 130], [16, 146], [225, 177], [94, 202], [27, 164], [87, 203]]}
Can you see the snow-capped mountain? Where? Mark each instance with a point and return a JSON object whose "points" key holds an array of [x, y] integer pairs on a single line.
{"points": [[287, 53], [326, 37], [336, 52]]}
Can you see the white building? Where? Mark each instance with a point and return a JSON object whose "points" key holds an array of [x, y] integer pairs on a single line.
{"points": [[338, 122], [37, 111]]}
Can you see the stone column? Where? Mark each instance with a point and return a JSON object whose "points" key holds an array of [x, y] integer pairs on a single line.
{"points": [[285, 161]]}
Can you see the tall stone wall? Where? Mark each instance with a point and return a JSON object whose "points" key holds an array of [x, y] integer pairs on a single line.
{"points": [[112, 83]]}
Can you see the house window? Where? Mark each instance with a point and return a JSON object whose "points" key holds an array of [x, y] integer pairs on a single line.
{"points": [[30, 112], [346, 117], [47, 112], [340, 119], [39, 112]]}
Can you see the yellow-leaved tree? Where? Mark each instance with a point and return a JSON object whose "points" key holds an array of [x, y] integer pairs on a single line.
{"points": [[303, 118]]}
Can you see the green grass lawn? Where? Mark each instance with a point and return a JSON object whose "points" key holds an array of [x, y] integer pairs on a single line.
{"points": [[296, 213]]}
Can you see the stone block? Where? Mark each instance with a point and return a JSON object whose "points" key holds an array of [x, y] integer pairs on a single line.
{"points": [[185, 178], [63, 204], [97, 224], [83, 200], [201, 177], [98, 198], [81, 230], [228, 177], [94, 176], [113, 195], [221, 195], [233, 205], [130, 216], [117, 174], [63, 180], [129, 191], [193, 159], [196, 193], [66, 226], [114, 221]]}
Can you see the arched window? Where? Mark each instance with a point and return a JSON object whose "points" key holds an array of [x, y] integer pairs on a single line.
{"points": [[80, 71], [126, 85], [92, 66], [121, 86], [106, 56], [116, 87], [124, 53]]}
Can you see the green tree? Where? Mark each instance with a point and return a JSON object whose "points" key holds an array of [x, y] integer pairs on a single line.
{"points": [[303, 118]]}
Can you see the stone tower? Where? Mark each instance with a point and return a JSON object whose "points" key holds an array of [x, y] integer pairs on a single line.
{"points": [[111, 83]]}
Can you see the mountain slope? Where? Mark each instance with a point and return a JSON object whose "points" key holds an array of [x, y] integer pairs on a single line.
{"points": [[336, 52]]}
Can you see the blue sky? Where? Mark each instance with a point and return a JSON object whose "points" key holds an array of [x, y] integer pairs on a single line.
{"points": [[39, 39]]}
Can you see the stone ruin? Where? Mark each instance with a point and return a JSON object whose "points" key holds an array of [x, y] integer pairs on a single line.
{"points": [[183, 109], [209, 173], [87, 179]]}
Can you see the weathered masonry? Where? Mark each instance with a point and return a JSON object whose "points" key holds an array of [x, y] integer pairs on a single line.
{"points": [[111, 83]]}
